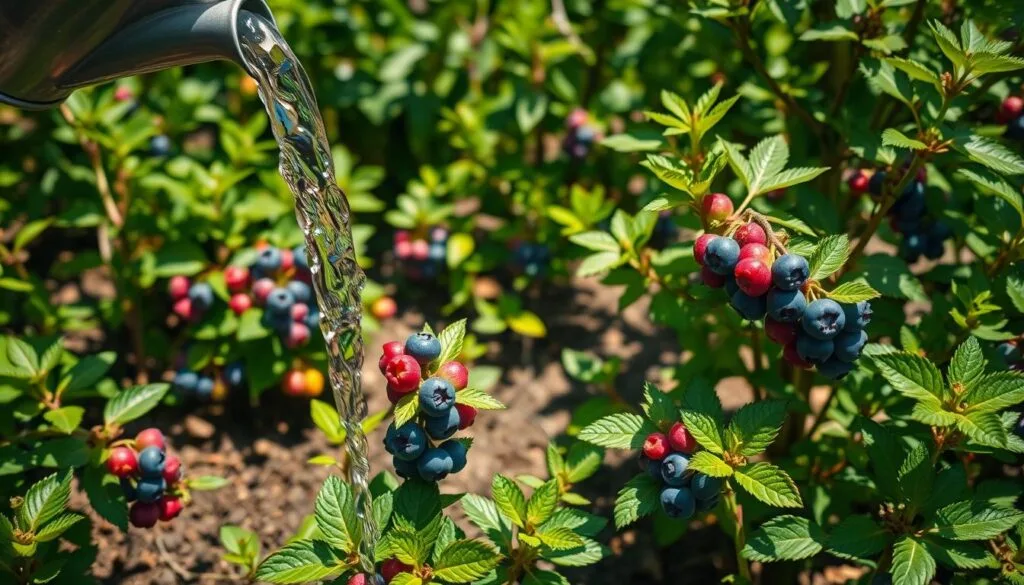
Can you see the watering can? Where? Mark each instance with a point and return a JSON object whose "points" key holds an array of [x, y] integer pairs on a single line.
{"points": [[48, 48]]}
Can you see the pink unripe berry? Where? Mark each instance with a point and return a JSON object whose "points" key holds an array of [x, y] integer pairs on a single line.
{"points": [[1011, 107], [757, 252], [401, 236], [403, 374], [287, 260], [716, 207], [150, 437], [701, 246], [711, 279], [298, 335], [294, 383], [299, 312], [779, 332], [656, 446], [859, 182], [261, 289], [456, 373], [390, 350], [680, 439], [753, 276], [178, 287], [172, 470], [403, 249], [467, 416], [183, 308], [170, 507], [750, 233], [420, 250], [144, 515], [236, 277], [123, 93], [576, 118], [240, 303]]}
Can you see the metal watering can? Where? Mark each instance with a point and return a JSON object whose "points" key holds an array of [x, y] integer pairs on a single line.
{"points": [[48, 48]]}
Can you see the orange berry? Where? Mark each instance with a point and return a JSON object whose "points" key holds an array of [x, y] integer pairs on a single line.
{"points": [[314, 383]]}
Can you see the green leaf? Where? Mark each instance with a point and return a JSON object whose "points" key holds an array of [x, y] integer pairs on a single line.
{"points": [[974, 520], [578, 521], [542, 503], [628, 143], [912, 375], [994, 185], [29, 232], [596, 241], [335, 514], [527, 324], [702, 415], [708, 464], [460, 247], [893, 137], [299, 562], [599, 263], [53, 529], [617, 431], [51, 357], [180, 257], [478, 399], [451, 339], [992, 154], [509, 499], [559, 538], [658, 406], [754, 427], [995, 391], [948, 43], [769, 484], [961, 555], [406, 409], [989, 63], [382, 507], [484, 513], [985, 427], [638, 498], [667, 120], [767, 159], [582, 461], [968, 365], [785, 538], [206, 483], [853, 292], [675, 104], [829, 256], [834, 31], [885, 78], [46, 500], [916, 477], [65, 419], [133, 403], [911, 563], [465, 560], [22, 356], [407, 546], [105, 496], [417, 504], [327, 420], [790, 177], [858, 537], [914, 69], [406, 579], [542, 577]]}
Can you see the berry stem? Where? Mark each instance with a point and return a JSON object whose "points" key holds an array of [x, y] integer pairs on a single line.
{"points": [[763, 222], [739, 534]]}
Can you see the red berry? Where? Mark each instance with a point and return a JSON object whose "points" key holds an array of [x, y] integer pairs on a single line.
{"points": [[753, 276], [716, 207], [756, 251], [467, 416], [183, 308], [299, 312], [859, 182], [1011, 107], [261, 289], [790, 354], [577, 118], [420, 250], [287, 260], [172, 470], [391, 349], [701, 246], [750, 233], [123, 93], [122, 462], [170, 507], [298, 335], [656, 446], [779, 332], [392, 567], [240, 303], [144, 515], [712, 279], [401, 236], [403, 249], [680, 439], [178, 287], [403, 373], [150, 438], [384, 308], [236, 277], [294, 383], [456, 373], [361, 579]]}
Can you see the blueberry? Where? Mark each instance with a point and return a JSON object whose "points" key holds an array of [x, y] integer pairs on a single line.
{"points": [[442, 427], [721, 255], [814, 350], [313, 319], [1015, 129], [730, 285], [130, 493], [750, 308], [438, 252], [876, 183], [678, 502], [406, 442], [186, 381], [201, 295], [435, 464], [150, 489], [911, 204], [405, 469], [1010, 352], [151, 462], [585, 134], [280, 302], [437, 396], [204, 389], [300, 291], [652, 467], [934, 248], [790, 272], [705, 487], [673, 469], [708, 504], [912, 246], [160, 145], [234, 375], [280, 322], [905, 226], [268, 261], [835, 369], [300, 258], [823, 319], [457, 451], [849, 344], [940, 230], [786, 306], [857, 315], [424, 347]]}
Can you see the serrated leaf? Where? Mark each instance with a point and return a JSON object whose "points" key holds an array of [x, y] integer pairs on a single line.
{"points": [[617, 431], [65, 419], [105, 496], [853, 292], [767, 159], [451, 341], [974, 520], [406, 579], [658, 406], [417, 504], [21, 355], [992, 154], [299, 562], [509, 499], [638, 498], [708, 464], [578, 521], [542, 577], [596, 241], [893, 137], [911, 563], [829, 256], [791, 223], [702, 415], [995, 391], [755, 426], [967, 365], [54, 528], [675, 104], [785, 538], [739, 163], [948, 43], [327, 420], [559, 538], [770, 484], [465, 560], [478, 399], [790, 177], [710, 119], [335, 514], [991, 63], [885, 78], [542, 503], [912, 375], [985, 427], [667, 120], [916, 477], [994, 185], [587, 554], [960, 555], [583, 461], [133, 403], [484, 513], [914, 69], [45, 500], [406, 408], [858, 537]]}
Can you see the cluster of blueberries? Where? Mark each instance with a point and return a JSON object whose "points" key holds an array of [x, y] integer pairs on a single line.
{"points": [[206, 388], [581, 135], [819, 333], [424, 447], [421, 258], [667, 459], [149, 478], [531, 259], [923, 235], [1011, 113]]}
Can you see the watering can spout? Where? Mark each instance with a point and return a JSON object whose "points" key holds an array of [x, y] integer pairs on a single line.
{"points": [[48, 48]]}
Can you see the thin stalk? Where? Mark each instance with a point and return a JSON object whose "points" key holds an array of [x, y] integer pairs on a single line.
{"points": [[739, 535]]}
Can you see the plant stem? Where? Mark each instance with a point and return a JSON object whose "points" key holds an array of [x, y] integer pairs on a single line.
{"points": [[739, 534], [755, 345]]}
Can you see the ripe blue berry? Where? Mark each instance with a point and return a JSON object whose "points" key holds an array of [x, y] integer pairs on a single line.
{"points": [[204, 389], [301, 291], [435, 464], [705, 487], [160, 145], [424, 347], [721, 255], [876, 183], [151, 462], [750, 308], [857, 315], [313, 319], [268, 262], [234, 375], [150, 489], [849, 344], [834, 368], [301, 260], [406, 442], [405, 469], [814, 350], [438, 252], [913, 246], [1015, 129], [651, 466], [437, 396], [1010, 352], [201, 295], [186, 381], [790, 272], [444, 426], [730, 285], [457, 451], [823, 319], [786, 306], [709, 504], [279, 302], [130, 494], [911, 203], [673, 469], [678, 502]]}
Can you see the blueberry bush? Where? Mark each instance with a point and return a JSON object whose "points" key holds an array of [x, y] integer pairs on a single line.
{"points": [[816, 205]]}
